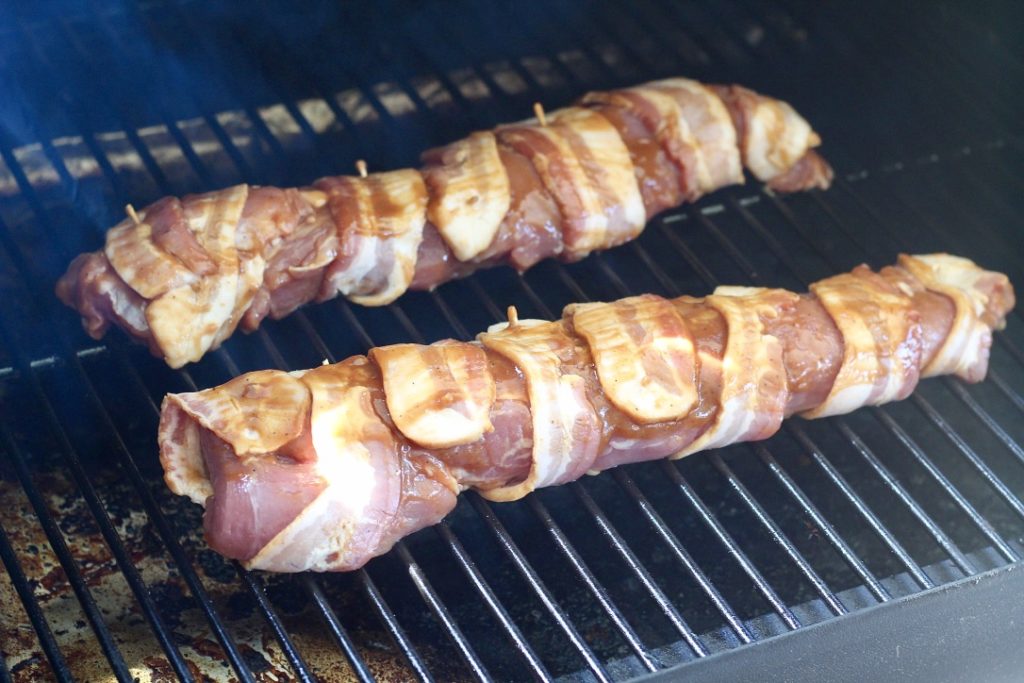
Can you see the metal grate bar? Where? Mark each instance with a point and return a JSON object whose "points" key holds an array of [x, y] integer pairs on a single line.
{"points": [[167, 535], [30, 193], [680, 553], [840, 423], [211, 120], [103, 85], [566, 547], [376, 598], [623, 550], [702, 579], [338, 631], [121, 556], [185, 567], [970, 454], [493, 604], [538, 587], [429, 595], [901, 242], [757, 510], [684, 557], [113, 542], [940, 536], [58, 665], [748, 567], [255, 586], [777, 534], [983, 524], [561, 540], [387, 615], [67, 560], [432, 600], [823, 524], [684, 48], [598, 591], [616, 541], [723, 536], [874, 522], [841, 546], [542, 592], [990, 422], [439, 609]]}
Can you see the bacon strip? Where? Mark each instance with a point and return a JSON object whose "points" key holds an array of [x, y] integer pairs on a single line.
{"points": [[643, 353], [439, 395], [469, 193], [882, 336], [379, 222], [325, 469], [194, 269], [754, 390], [978, 296], [565, 424]]}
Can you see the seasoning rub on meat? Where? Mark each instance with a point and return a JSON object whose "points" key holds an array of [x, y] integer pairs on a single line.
{"points": [[324, 469], [183, 274]]}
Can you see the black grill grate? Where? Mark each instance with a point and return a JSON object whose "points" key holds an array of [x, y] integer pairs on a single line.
{"points": [[634, 571]]}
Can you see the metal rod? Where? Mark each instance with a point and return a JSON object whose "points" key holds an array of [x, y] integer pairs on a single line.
{"points": [[638, 569], [530, 575], [777, 534], [338, 632], [596, 589], [93, 614], [492, 602], [58, 665], [440, 610]]}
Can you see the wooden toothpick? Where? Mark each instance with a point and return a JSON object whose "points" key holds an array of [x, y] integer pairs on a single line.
{"points": [[361, 167], [513, 316], [130, 210], [538, 111]]}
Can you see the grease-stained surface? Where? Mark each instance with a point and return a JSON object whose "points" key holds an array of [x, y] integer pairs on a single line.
{"points": [[123, 616]]}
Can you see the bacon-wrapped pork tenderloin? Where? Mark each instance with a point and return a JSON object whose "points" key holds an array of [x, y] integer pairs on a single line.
{"points": [[324, 469], [182, 274]]}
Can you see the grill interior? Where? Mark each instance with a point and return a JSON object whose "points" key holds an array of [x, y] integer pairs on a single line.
{"points": [[637, 570]]}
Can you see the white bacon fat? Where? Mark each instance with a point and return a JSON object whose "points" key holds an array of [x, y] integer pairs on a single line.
{"points": [[380, 222], [644, 355], [754, 389], [777, 136], [189, 315], [711, 124], [566, 428], [438, 395], [469, 193], [966, 349], [882, 341], [357, 457], [576, 183], [586, 167]]}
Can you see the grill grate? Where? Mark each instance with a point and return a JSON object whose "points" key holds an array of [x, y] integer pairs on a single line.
{"points": [[631, 572]]}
